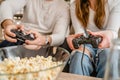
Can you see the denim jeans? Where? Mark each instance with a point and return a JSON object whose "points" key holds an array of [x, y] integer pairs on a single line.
{"points": [[87, 66]]}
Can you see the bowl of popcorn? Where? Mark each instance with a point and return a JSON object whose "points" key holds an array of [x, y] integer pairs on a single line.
{"points": [[19, 63]]}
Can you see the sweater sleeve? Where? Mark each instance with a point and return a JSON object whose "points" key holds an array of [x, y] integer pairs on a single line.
{"points": [[61, 26], [75, 22], [114, 19], [10, 7]]}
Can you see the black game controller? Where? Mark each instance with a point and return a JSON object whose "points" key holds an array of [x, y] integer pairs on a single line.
{"points": [[93, 40], [21, 36]]}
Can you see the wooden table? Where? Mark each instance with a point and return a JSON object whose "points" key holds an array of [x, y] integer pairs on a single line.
{"points": [[68, 76]]}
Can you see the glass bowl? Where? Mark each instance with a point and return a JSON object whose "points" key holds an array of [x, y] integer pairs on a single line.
{"points": [[56, 57]]}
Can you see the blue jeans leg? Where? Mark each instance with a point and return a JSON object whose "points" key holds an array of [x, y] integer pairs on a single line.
{"points": [[88, 68], [101, 64], [77, 68]]}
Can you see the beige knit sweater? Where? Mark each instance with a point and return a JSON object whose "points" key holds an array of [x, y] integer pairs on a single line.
{"points": [[48, 17]]}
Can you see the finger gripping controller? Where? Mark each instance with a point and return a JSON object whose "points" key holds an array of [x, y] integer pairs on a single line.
{"points": [[21, 36], [93, 40]]}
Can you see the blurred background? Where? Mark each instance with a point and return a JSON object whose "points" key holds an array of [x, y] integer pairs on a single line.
{"points": [[18, 17]]}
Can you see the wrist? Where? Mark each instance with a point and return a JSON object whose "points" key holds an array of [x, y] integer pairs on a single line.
{"points": [[6, 22], [47, 40]]}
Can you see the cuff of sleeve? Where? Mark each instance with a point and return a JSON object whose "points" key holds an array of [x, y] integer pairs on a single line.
{"points": [[115, 34], [56, 40]]}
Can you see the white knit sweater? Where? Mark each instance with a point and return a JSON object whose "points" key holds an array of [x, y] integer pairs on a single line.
{"points": [[112, 21]]}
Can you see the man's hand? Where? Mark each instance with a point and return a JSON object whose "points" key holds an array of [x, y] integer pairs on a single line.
{"points": [[8, 25], [32, 47], [39, 40]]}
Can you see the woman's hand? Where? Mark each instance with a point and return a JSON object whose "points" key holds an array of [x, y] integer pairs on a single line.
{"points": [[107, 37], [70, 38], [69, 41]]}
